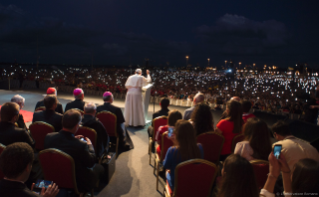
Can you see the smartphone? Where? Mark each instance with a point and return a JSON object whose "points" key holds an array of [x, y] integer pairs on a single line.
{"points": [[40, 184], [170, 131], [277, 150], [83, 139]]}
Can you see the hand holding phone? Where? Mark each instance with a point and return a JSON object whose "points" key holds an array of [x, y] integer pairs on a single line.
{"points": [[40, 185], [277, 150], [170, 131], [88, 141]]}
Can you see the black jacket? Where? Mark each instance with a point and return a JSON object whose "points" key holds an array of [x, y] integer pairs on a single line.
{"points": [[102, 142], [49, 116], [82, 154], [116, 111], [77, 103], [9, 134], [21, 123], [162, 112], [15, 189], [58, 109], [120, 119]]}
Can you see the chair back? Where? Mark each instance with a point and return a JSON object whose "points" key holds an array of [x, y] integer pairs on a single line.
{"points": [[38, 131], [89, 133], [42, 108], [81, 111], [261, 169], [109, 120], [194, 178], [166, 144], [57, 166], [212, 143], [2, 147], [157, 122], [236, 139]]}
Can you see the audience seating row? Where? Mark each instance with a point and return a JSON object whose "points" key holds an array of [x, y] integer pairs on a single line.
{"points": [[212, 143], [40, 129]]}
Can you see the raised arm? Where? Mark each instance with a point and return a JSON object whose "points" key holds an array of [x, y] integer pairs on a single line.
{"points": [[148, 78]]}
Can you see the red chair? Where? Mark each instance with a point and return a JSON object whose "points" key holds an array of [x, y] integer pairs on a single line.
{"points": [[38, 132], [57, 166], [236, 139], [2, 147], [193, 178], [89, 133], [42, 108], [261, 169], [109, 120], [160, 156], [212, 143], [157, 122]]}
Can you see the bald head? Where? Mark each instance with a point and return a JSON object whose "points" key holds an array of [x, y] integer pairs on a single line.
{"points": [[199, 97]]}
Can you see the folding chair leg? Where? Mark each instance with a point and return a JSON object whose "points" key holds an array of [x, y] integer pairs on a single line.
{"points": [[117, 147], [150, 158], [154, 165], [157, 174], [149, 152]]}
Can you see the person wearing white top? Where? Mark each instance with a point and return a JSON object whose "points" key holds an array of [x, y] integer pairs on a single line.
{"points": [[134, 108], [303, 181]]}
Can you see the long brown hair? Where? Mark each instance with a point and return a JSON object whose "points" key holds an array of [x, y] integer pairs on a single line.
{"points": [[173, 116], [235, 114], [305, 178], [186, 140], [238, 179], [202, 118], [257, 133]]}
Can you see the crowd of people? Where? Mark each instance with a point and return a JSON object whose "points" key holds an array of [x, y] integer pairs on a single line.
{"points": [[287, 173], [277, 92], [21, 172], [295, 171]]}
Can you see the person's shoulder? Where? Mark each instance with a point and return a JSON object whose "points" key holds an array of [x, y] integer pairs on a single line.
{"points": [[172, 149], [114, 107], [165, 127], [57, 114], [53, 134], [38, 112], [39, 103], [243, 143], [223, 121], [189, 109]]}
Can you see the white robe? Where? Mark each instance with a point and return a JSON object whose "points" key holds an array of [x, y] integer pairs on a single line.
{"points": [[134, 105]]}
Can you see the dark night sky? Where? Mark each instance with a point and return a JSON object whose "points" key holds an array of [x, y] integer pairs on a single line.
{"points": [[119, 32]]}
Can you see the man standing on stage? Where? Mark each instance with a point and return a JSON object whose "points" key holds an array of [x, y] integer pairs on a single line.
{"points": [[134, 107]]}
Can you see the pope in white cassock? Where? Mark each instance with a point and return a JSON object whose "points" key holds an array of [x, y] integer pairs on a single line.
{"points": [[134, 105]]}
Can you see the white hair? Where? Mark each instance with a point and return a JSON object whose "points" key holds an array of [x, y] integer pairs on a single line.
{"points": [[199, 97], [89, 107], [138, 71], [18, 99]]}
